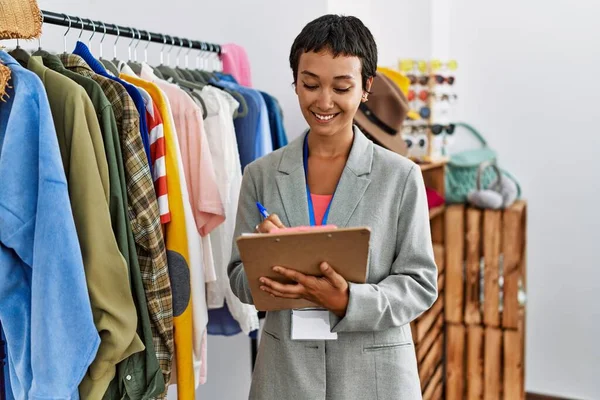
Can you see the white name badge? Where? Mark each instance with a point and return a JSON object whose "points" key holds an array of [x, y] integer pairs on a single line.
{"points": [[311, 324]]}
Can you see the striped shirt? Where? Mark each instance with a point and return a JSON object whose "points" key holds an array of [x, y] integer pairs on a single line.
{"points": [[157, 153]]}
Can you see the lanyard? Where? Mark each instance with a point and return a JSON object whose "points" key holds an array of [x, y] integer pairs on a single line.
{"points": [[311, 210]]}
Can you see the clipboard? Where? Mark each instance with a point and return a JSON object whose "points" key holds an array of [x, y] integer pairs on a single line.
{"points": [[346, 249]]}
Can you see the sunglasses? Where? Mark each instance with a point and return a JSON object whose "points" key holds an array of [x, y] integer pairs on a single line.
{"points": [[412, 129], [421, 79], [452, 65], [444, 79], [423, 95], [418, 142], [446, 97], [436, 129], [425, 112]]}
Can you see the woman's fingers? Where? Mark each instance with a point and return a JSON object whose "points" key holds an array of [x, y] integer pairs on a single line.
{"points": [[276, 293], [275, 219], [336, 279], [292, 274], [269, 224]]}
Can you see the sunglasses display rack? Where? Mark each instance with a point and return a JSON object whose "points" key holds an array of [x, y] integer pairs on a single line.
{"points": [[431, 99]]}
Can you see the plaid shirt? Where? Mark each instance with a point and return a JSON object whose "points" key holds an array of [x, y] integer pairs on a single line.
{"points": [[143, 213]]}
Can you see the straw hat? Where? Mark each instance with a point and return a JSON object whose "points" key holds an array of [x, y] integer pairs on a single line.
{"points": [[4, 78], [20, 19]]}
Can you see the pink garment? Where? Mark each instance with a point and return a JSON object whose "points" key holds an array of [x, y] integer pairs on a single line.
{"points": [[320, 204], [236, 63], [197, 160]]}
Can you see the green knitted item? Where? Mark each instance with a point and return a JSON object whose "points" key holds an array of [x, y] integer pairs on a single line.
{"points": [[461, 170]]}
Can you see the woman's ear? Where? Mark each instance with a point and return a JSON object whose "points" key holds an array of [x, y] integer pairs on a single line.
{"points": [[368, 85]]}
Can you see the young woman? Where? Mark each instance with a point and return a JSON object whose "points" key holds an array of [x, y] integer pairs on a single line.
{"points": [[333, 174]]}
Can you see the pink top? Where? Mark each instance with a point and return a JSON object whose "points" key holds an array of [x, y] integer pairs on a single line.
{"points": [[236, 62], [320, 204]]}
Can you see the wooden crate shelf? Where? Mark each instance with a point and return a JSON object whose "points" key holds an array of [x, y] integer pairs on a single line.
{"points": [[485, 362], [470, 343], [485, 265], [485, 270]]}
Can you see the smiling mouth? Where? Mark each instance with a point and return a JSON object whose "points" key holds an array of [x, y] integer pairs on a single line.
{"points": [[324, 117]]}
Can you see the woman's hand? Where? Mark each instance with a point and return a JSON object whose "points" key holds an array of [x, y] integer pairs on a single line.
{"points": [[330, 291], [269, 224]]}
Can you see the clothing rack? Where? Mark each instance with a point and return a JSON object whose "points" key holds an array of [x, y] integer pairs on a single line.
{"points": [[100, 27], [103, 28]]}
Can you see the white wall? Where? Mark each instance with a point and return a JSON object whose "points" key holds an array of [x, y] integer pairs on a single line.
{"points": [[527, 80], [401, 27]]}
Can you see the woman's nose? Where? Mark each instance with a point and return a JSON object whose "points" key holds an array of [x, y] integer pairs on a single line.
{"points": [[325, 100]]}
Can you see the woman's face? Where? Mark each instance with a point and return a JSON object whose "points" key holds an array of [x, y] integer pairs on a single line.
{"points": [[329, 91]]}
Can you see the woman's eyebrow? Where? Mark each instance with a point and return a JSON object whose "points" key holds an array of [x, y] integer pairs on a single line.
{"points": [[311, 74], [339, 77]]}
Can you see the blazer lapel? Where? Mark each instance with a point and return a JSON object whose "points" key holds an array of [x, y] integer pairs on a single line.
{"points": [[354, 181], [350, 190], [292, 184]]}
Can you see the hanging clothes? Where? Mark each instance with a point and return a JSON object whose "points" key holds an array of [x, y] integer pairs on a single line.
{"points": [[143, 214], [157, 146], [177, 250], [42, 280], [83, 156], [82, 50], [278, 135], [223, 146], [252, 131], [147, 379]]}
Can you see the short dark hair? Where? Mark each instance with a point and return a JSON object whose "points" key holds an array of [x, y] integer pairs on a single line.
{"points": [[342, 35]]}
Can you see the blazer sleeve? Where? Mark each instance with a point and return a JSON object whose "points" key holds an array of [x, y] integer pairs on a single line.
{"points": [[247, 218], [411, 287]]}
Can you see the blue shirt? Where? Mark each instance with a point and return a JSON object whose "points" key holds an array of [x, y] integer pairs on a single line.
{"points": [[82, 51], [44, 303], [278, 134]]}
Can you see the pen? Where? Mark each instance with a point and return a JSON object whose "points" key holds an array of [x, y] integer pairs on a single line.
{"points": [[263, 211]]}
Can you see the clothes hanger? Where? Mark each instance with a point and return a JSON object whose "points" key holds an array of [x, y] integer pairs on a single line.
{"points": [[134, 65], [107, 64], [185, 72], [162, 49], [198, 77], [166, 70], [20, 54], [172, 76], [110, 65], [212, 79]]}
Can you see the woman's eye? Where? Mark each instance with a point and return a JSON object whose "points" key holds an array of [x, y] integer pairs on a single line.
{"points": [[342, 90], [310, 87]]}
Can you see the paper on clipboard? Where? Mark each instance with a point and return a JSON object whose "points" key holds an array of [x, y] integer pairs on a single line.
{"points": [[346, 250]]}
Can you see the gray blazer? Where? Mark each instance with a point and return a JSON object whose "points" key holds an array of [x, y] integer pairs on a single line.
{"points": [[374, 355]]}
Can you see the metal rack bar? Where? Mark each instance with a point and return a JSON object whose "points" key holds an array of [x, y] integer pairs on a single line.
{"points": [[87, 24]]}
